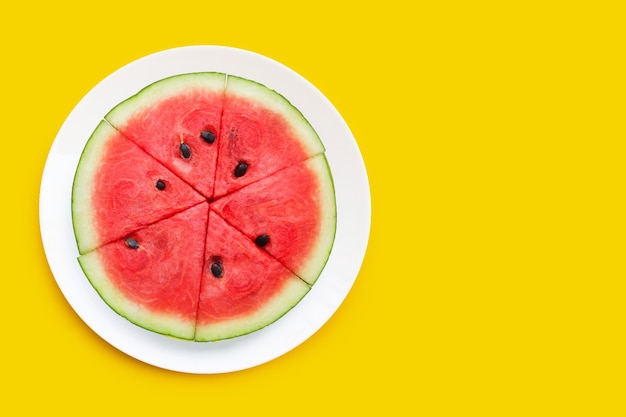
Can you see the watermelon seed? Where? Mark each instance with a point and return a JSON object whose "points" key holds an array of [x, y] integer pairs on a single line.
{"points": [[240, 169], [208, 136], [131, 243], [185, 150], [217, 270], [160, 185], [262, 240]]}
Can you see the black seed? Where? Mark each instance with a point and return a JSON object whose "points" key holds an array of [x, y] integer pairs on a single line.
{"points": [[185, 150], [240, 169], [208, 136], [262, 240], [131, 243], [217, 270], [160, 185]]}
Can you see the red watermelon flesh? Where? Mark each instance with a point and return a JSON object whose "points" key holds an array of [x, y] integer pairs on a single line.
{"points": [[172, 113], [117, 190], [250, 290], [262, 130], [156, 283], [294, 208]]}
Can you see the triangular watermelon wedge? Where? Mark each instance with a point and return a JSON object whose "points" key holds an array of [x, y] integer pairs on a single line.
{"points": [[177, 121], [243, 288], [152, 276], [261, 133], [118, 188], [290, 214]]}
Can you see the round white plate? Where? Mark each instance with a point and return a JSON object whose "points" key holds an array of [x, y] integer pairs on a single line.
{"points": [[353, 214]]}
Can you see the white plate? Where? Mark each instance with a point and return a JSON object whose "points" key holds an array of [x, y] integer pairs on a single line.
{"points": [[353, 214]]}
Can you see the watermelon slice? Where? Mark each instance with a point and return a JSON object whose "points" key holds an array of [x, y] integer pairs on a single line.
{"points": [[261, 133], [177, 121], [243, 288], [118, 188], [290, 214], [152, 276]]}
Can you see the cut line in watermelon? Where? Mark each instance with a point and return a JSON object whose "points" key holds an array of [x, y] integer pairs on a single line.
{"points": [[293, 211], [168, 119], [155, 281], [260, 166], [263, 130], [108, 187], [252, 290]]}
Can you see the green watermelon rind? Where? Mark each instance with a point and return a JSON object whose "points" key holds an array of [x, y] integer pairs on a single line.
{"points": [[259, 93], [82, 189], [215, 81], [150, 320], [319, 255], [153, 93], [283, 302]]}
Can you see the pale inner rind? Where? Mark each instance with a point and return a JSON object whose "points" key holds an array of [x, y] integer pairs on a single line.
{"points": [[311, 270], [154, 93], [83, 188]]}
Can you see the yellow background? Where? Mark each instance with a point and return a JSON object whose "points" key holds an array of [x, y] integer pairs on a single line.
{"points": [[493, 135]]}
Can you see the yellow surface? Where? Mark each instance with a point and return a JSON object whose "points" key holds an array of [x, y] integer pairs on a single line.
{"points": [[493, 135]]}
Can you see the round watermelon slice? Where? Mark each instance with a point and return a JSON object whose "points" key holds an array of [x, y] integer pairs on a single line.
{"points": [[149, 243]]}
